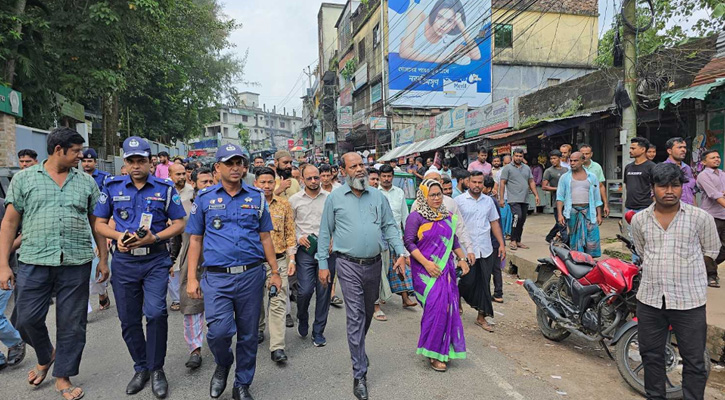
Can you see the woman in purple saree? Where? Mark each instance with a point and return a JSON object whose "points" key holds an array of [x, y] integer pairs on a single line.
{"points": [[430, 237]]}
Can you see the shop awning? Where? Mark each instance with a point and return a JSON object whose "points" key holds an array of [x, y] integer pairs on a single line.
{"points": [[464, 142], [420, 147], [699, 92]]}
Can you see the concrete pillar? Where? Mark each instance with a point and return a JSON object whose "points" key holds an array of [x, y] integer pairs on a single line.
{"points": [[8, 157]]}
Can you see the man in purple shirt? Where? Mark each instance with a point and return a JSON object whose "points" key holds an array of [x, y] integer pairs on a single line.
{"points": [[677, 150], [711, 182], [481, 164]]}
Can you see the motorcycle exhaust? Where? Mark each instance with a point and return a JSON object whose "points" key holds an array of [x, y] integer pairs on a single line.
{"points": [[538, 296]]}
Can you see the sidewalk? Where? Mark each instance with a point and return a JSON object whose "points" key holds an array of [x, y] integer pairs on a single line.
{"points": [[523, 263]]}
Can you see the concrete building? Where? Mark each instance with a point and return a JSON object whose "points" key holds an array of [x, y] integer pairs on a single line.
{"points": [[552, 42], [267, 129]]}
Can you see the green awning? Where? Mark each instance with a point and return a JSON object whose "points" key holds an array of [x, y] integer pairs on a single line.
{"points": [[699, 92]]}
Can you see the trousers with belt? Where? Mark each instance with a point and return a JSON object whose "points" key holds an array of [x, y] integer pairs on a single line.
{"points": [[361, 286], [139, 286], [232, 303], [309, 283], [277, 307]]}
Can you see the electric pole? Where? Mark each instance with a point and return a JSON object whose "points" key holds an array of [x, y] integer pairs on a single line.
{"points": [[629, 114]]}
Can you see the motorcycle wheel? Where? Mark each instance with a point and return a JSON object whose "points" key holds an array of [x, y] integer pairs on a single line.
{"points": [[629, 364], [546, 324]]}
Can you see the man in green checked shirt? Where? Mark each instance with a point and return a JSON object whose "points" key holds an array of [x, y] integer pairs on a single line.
{"points": [[55, 203]]}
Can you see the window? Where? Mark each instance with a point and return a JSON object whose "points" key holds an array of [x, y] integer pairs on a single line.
{"points": [[361, 51], [376, 36], [504, 37], [244, 118], [552, 81], [281, 124]]}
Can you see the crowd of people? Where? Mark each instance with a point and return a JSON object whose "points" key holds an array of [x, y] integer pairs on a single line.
{"points": [[234, 245]]}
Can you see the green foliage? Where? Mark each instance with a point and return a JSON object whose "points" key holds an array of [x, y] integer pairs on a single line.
{"points": [[166, 61], [349, 70], [244, 136], [664, 32]]}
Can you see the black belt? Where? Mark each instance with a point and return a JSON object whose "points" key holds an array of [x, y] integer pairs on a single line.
{"points": [[146, 250], [281, 255], [356, 260], [235, 270]]}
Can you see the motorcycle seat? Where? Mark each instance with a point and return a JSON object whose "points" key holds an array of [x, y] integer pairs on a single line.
{"points": [[578, 263]]}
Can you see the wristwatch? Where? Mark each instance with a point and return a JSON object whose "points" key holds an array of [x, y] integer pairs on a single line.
{"points": [[157, 238]]}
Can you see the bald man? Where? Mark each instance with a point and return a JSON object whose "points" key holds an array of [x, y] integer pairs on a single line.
{"points": [[451, 206], [177, 173]]}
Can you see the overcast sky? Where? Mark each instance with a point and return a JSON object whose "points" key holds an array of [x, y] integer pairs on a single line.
{"points": [[281, 36]]}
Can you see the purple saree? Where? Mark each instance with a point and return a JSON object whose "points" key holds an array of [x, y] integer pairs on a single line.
{"points": [[441, 329]]}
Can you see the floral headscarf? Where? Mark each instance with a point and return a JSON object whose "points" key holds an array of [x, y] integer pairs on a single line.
{"points": [[422, 202]]}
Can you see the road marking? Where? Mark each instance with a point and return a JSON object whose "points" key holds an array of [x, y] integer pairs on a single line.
{"points": [[495, 377]]}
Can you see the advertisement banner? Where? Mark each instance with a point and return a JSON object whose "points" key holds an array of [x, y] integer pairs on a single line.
{"points": [[344, 117], [376, 93], [361, 77], [329, 137], [378, 123], [425, 130], [426, 34], [11, 101], [451, 120], [404, 136], [346, 96], [358, 118], [493, 117], [290, 143]]}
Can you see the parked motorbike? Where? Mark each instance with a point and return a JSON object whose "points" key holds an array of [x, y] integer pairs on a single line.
{"points": [[596, 301]]}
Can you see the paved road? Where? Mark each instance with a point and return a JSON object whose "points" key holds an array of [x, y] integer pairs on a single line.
{"points": [[311, 373]]}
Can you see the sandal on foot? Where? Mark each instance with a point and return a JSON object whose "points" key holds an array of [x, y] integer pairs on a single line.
{"points": [[67, 393], [485, 325], [380, 316], [523, 246], [175, 306], [438, 365], [513, 246], [104, 304], [40, 373], [411, 304]]}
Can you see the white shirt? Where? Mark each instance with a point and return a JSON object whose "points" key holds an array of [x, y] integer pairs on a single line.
{"points": [[478, 214], [396, 198], [461, 230], [307, 212]]}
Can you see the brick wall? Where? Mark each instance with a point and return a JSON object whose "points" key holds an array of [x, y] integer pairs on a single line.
{"points": [[7, 141], [581, 7]]}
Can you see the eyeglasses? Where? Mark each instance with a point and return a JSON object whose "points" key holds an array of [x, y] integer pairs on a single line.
{"points": [[312, 178], [436, 195]]}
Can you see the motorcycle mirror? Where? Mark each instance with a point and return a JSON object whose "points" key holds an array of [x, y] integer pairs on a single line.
{"points": [[629, 215]]}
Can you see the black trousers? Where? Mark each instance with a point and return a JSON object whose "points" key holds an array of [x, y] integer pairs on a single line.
{"points": [[710, 264], [690, 329], [35, 286], [519, 212], [557, 228], [475, 286], [497, 276]]}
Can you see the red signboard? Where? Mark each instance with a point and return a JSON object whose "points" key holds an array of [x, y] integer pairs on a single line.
{"points": [[290, 143]]}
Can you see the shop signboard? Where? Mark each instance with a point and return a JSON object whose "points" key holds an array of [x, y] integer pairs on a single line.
{"points": [[451, 120], [425, 129], [360, 77], [329, 137], [405, 136], [70, 108], [358, 118], [290, 144], [376, 93], [346, 96], [378, 123], [11, 101], [491, 118], [415, 54], [344, 117]]}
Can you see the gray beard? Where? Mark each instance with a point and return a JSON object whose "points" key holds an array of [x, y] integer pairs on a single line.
{"points": [[357, 183]]}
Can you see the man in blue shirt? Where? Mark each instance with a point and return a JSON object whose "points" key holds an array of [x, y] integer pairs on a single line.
{"points": [[355, 217], [231, 222], [90, 164], [141, 205]]}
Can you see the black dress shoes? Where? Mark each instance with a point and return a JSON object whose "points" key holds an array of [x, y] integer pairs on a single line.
{"points": [[194, 361], [138, 382], [279, 356], [218, 381], [289, 322], [159, 385], [260, 338], [242, 393], [360, 388]]}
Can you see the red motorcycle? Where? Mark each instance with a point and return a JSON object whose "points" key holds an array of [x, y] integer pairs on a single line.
{"points": [[596, 301]]}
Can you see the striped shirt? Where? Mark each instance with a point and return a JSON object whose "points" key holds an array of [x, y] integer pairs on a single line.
{"points": [[56, 228], [673, 266]]}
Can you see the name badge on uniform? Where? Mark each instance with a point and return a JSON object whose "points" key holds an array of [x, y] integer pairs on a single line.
{"points": [[123, 214], [121, 198], [217, 223], [217, 206], [146, 219]]}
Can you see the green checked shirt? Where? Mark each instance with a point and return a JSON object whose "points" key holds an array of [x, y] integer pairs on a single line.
{"points": [[56, 229]]}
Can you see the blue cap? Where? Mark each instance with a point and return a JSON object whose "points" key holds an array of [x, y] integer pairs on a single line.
{"points": [[90, 153], [227, 151], [136, 146]]}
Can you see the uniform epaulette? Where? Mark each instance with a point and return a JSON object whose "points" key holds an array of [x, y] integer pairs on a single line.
{"points": [[205, 190], [115, 179], [165, 181]]}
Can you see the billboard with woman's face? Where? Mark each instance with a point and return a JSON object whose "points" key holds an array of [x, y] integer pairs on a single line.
{"points": [[423, 34]]}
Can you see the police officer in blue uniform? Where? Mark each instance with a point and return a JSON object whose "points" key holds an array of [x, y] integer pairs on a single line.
{"points": [[141, 205], [90, 164], [232, 222]]}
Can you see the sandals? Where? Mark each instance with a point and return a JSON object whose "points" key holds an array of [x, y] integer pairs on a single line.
{"points": [[175, 306], [67, 393], [513, 246], [439, 366], [104, 304], [485, 325], [411, 304], [40, 373], [523, 246], [380, 316]]}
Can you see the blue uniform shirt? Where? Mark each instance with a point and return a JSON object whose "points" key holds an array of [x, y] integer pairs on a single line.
{"points": [[100, 176], [121, 200], [230, 225]]}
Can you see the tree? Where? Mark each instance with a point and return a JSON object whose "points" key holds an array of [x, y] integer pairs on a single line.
{"points": [[244, 136]]}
